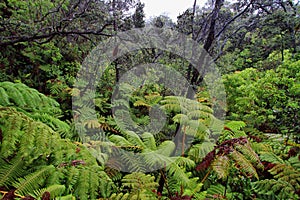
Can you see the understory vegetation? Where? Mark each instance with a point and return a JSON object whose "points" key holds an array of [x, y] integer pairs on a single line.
{"points": [[254, 153]]}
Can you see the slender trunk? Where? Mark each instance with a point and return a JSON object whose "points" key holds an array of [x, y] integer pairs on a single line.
{"points": [[115, 29], [190, 67]]}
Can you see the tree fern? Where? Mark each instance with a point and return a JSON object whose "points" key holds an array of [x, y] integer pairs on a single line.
{"points": [[33, 104], [36, 144], [27, 99]]}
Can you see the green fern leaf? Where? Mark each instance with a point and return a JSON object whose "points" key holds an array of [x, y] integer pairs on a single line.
{"points": [[249, 154], [149, 141], [243, 164], [4, 100], [9, 172], [215, 192], [270, 188], [54, 190], [271, 157], [33, 181]]}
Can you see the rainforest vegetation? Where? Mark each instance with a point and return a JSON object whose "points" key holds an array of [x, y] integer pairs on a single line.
{"points": [[253, 154]]}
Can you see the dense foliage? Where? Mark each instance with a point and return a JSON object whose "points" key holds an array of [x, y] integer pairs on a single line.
{"points": [[254, 154]]}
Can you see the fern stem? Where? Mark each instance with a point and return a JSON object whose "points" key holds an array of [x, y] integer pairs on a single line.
{"points": [[163, 181], [225, 191], [206, 175]]}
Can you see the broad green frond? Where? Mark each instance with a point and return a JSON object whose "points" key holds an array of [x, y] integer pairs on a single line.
{"points": [[54, 191], [269, 189], [138, 181], [271, 157], [134, 139], [33, 181], [184, 162], [243, 164], [27, 99], [179, 174], [149, 141], [199, 151], [119, 140], [215, 191], [249, 154], [9, 172], [166, 148]]}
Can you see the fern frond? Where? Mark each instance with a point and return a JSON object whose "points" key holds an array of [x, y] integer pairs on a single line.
{"points": [[82, 188], [27, 99], [4, 100], [249, 154], [119, 140], [294, 161], [271, 188], [9, 172], [179, 174], [106, 188], [166, 148], [261, 148], [243, 164], [134, 139], [286, 173], [221, 165], [138, 181], [57, 125], [184, 162], [120, 196], [54, 190], [199, 151], [215, 192], [271, 157], [32, 181], [235, 125], [72, 175], [139, 103], [67, 197], [149, 141]]}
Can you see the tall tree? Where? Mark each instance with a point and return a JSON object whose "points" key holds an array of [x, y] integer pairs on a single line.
{"points": [[139, 15]]}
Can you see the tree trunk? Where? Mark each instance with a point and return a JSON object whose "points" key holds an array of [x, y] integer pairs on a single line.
{"points": [[196, 77]]}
